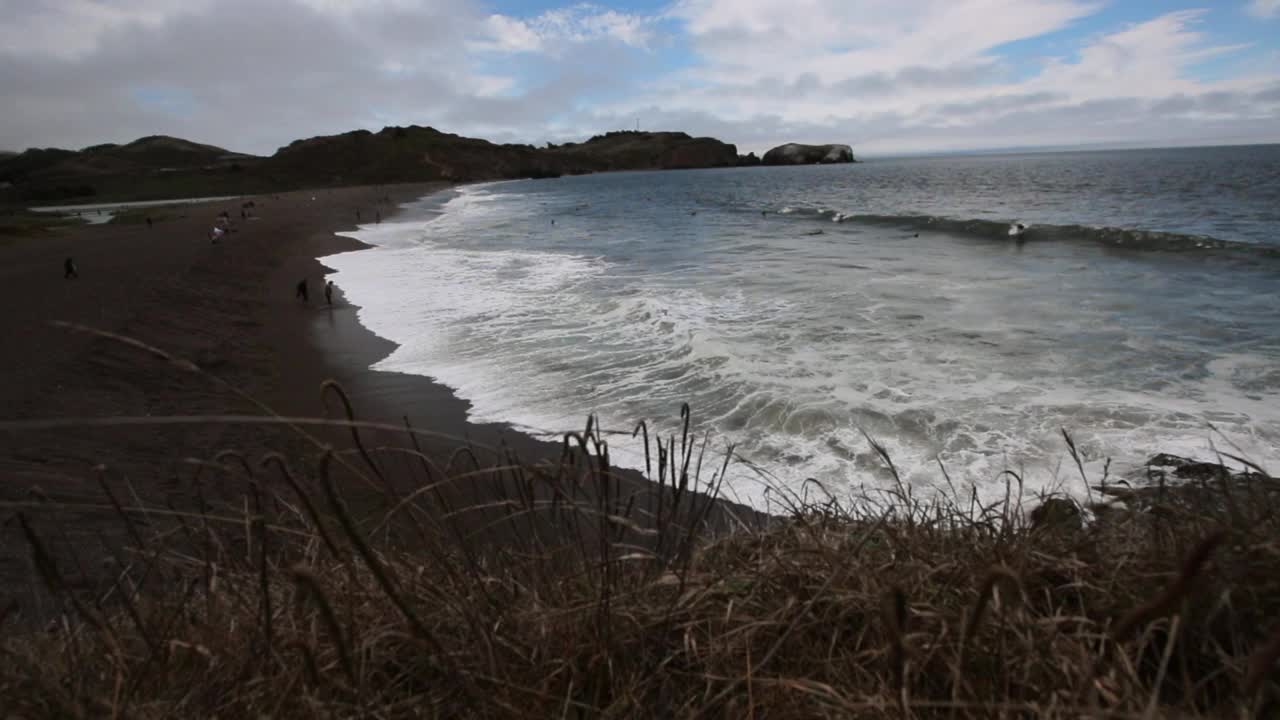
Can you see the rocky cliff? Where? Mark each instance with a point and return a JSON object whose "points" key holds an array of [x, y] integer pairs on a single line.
{"points": [[797, 154]]}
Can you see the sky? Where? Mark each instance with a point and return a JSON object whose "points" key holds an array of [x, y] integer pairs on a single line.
{"points": [[885, 76]]}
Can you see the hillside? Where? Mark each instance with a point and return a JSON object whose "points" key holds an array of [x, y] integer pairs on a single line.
{"points": [[402, 154], [147, 167], [161, 167], [633, 150], [398, 154]]}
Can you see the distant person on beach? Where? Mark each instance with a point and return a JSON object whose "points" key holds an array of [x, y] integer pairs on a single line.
{"points": [[69, 271], [357, 215], [301, 290], [328, 292], [148, 222], [378, 217]]}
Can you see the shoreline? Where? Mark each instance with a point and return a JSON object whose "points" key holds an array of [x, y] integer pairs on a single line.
{"points": [[227, 309], [350, 350]]}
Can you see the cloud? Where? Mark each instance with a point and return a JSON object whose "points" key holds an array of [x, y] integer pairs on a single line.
{"points": [[840, 39], [830, 72], [251, 76], [1265, 8], [554, 29], [71, 29], [884, 75]]}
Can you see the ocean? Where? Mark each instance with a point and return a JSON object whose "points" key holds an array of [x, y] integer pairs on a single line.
{"points": [[800, 311]]}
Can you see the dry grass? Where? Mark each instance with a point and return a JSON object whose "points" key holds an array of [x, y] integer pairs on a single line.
{"points": [[485, 588]]}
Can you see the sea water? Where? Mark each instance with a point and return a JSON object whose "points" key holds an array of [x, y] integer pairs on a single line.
{"points": [[802, 312]]}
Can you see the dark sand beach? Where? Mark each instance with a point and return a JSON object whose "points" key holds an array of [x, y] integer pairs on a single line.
{"points": [[230, 308]]}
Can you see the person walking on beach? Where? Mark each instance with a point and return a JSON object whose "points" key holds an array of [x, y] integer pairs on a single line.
{"points": [[301, 290], [69, 271], [148, 222], [328, 293], [378, 217]]}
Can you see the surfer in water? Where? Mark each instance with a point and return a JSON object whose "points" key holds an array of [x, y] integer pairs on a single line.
{"points": [[1017, 231]]}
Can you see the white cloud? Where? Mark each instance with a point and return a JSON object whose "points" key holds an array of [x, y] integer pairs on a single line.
{"points": [[347, 8], [835, 38], [888, 74], [508, 34], [1149, 59], [554, 29], [1265, 8], [69, 29], [880, 74], [828, 60]]}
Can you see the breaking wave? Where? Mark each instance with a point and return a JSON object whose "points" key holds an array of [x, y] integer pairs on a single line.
{"points": [[1135, 239]]}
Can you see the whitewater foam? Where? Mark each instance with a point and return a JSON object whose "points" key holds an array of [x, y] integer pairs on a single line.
{"points": [[975, 356]]}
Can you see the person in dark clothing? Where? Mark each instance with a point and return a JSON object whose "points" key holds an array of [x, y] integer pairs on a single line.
{"points": [[328, 292], [69, 271], [148, 222], [378, 217], [301, 290]]}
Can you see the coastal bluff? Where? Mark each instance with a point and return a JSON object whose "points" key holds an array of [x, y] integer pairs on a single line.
{"points": [[797, 154], [164, 167]]}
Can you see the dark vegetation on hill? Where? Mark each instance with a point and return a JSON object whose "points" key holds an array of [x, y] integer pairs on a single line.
{"points": [[150, 167], [162, 167]]}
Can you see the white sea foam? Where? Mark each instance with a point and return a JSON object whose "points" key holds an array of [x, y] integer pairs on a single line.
{"points": [[793, 352]]}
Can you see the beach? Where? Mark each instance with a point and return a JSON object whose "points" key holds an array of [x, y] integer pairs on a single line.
{"points": [[77, 402], [228, 307]]}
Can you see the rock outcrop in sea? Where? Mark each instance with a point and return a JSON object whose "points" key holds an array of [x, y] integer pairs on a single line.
{"points": [[797, 154]]}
